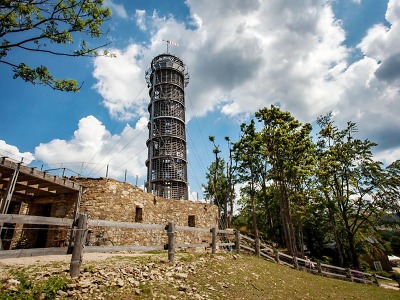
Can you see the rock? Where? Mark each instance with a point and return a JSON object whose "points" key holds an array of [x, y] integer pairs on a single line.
{"points": [[62, 293], [120, 283], [138, 291], [181, 275], [182, 288]]}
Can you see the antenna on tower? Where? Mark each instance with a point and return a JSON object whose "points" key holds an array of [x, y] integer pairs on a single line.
{"points": [[170, 43]]}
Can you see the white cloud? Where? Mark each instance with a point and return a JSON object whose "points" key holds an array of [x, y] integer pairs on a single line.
{"points": [[388, 156], [140, 16], [94, 145], [13, 153], [244, 55], [120, 81], [118, 9]]}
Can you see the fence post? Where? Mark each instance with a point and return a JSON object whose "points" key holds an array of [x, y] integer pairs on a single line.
{"points": [[213, 240], [295, 263], [349, 275], [319, 266], [257, 246], [276, 252], [376, 280], [77, 252], [171, 242], [237, 241]]}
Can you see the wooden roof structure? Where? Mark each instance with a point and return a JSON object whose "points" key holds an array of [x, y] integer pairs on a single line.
{"points": [[30, 182]]}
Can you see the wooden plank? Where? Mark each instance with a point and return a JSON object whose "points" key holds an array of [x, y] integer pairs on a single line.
{"points": [[226, 231], [266, 247], [285, 255], [384, 278], [333, 267], [246, 238], [103, 223], [225, 244], [247, 248], [267, 257], [193, 245], [192, 229], [27, 219], [32, 172], [32, 252], [334, 274], [93, 249]]}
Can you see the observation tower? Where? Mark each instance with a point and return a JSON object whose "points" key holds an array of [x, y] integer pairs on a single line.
{"points": [[166, 79]]}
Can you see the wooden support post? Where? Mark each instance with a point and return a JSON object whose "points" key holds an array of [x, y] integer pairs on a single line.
{"points": [[171, 242], [213, 240], [77, 252], [237, 241], [6, 199], [257, 246], [276, 252], [349, 275], [295, 263], [376, 280], [319, 266]]}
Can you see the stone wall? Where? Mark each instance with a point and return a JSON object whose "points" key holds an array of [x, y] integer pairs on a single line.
{"points": [[111, 200], [108, 199]]}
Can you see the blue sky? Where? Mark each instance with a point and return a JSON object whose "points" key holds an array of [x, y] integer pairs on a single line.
{"points": [[311, 57]]}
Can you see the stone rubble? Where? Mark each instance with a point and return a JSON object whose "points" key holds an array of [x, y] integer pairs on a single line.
{"points": [[133, 276]]}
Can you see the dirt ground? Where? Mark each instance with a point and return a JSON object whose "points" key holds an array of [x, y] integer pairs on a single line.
{"points": [[43, 260]]}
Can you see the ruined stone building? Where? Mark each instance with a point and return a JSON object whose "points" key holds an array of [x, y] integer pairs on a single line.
{"points": [[41, 194]]}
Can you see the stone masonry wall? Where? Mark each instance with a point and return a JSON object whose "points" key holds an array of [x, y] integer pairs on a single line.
{"points": [[108, 199]]}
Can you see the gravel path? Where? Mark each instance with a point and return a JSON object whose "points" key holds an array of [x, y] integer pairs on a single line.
{"points": [[43, 260]]}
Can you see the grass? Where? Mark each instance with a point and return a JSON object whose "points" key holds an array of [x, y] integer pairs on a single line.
{"points": [[224, 276], [248, 277]]}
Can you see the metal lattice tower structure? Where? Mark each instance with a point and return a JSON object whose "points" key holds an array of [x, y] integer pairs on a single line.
{"points": [[167, 78]]}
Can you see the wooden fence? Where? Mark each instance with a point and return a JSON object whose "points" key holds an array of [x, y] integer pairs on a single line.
{"points": [[267, 252], [239, 242], [83, 225]]}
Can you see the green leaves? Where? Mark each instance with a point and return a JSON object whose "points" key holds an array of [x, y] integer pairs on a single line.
{"points": [[49, 27], [42, 76]]}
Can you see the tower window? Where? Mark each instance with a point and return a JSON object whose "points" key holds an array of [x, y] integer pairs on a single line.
{"points": [[191, 221], [138, 214]]}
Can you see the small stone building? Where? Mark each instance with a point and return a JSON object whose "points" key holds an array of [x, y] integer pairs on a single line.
{"points": [[37, 193]]}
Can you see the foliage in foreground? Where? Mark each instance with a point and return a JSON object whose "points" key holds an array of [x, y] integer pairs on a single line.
{"points": [[29, 288], [50, 28]]}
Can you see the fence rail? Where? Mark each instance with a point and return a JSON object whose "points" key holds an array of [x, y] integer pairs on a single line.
{"points": [[318, 268], [82, 227]]}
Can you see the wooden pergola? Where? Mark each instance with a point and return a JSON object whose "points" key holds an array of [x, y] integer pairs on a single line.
{"points": [[24, 183]]}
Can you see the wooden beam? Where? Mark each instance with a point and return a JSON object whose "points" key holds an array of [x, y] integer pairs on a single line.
{"points": [[103, 223], [26, 219], [32, 252]]}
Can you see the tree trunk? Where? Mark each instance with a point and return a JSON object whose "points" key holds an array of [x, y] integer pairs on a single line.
{"points": [[354, 255]]}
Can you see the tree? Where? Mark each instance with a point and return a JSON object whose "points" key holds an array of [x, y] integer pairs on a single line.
{"points": [[248, 156], [217, 188], [231, 178], [287, 146], [358, 191], [47, 27]]}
